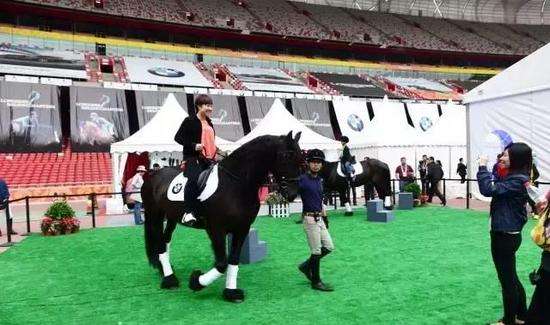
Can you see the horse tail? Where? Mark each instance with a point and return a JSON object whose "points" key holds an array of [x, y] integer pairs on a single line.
{"points": [[153, 226]]}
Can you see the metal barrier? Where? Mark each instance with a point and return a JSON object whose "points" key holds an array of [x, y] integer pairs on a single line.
{"points": [[333, 198]]}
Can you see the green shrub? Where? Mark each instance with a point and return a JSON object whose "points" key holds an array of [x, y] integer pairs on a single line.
{"points": [[60, 210], [275, 198], [414, 189]]}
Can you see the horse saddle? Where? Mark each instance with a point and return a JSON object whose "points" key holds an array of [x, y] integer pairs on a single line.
{"points": [[207, 184]]}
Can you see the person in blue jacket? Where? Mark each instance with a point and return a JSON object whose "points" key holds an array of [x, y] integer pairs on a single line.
{"points": [[508, 215], [4, 197]]}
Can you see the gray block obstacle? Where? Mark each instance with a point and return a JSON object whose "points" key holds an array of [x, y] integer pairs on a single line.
{"points": [[253, 250], [406, 201], [376, 212], [374, 206]]}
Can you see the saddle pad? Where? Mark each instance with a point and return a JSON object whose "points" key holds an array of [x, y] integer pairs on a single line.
{"points": [[357, 166], [176, 189]]}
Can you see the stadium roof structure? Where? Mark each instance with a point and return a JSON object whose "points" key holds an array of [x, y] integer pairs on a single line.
{"points": [[498, 11]]}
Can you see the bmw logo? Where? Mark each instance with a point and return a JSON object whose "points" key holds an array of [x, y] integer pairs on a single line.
{"points": [[425, 123], [166, 72], [177, 188], [355, 123]]}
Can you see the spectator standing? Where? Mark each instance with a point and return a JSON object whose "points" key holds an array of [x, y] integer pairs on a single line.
{"points": [[4, 197], [508, 215], [434, 175], [135, 184], [539, 309], [404, 173], [461, 170], [422, 170]]}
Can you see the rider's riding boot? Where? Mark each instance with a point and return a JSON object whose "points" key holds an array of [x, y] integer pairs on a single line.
{"points": [[316, 283]]}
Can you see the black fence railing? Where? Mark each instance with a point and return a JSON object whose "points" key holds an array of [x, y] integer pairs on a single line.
{"points": [[332, 200]]}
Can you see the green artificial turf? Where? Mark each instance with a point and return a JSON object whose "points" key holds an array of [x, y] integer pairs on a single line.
{"points": [[429, 266]]}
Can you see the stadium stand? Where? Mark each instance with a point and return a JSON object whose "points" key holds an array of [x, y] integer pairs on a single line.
{"points": [[49, 169], [298, 19]]}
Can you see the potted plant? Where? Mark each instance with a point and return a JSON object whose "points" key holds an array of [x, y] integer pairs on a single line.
{"points": [[59, 219], [278, 205], [416, 191]]}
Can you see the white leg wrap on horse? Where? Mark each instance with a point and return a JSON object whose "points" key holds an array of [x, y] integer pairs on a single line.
{"points": [[209, 277], [165, 262], [387, 201], [231, 276], [348, 207], [168, 249]]}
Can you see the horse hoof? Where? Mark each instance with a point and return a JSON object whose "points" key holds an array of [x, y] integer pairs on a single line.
{"points": [[233, 295], [194, 283], [169, 282], [348, 214]]}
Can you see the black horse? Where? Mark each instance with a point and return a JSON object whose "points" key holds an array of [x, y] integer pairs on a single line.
{"points": [[375, 174], [231, 209]]}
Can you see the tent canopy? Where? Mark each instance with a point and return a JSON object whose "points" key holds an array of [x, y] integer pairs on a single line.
{"points": [[158, 134], [530, 74], [278, 121]]}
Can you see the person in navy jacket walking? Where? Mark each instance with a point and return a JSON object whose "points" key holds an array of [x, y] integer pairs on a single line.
{"points": [[508, 215]]}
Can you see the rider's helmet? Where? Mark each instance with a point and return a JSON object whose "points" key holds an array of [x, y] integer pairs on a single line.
{"points": [[344, 139], [315, 154]]}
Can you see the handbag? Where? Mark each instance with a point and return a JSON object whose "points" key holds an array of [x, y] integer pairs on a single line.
{"points": [[541, 232]]}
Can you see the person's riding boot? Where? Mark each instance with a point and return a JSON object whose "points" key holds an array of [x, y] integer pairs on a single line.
{"points": [[324, 252], [305, 269], [316, 283]]}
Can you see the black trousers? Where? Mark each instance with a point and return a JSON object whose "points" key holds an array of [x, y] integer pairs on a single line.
{"points": [[434, 190], [503, 249], [462, 178], [193, 168], [539, 310]]}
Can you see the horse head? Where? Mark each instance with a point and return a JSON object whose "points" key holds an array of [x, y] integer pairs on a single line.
{"points": [[286, 170]]}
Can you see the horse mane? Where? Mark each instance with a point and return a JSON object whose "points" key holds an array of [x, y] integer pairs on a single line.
{"points": [[252, 146], [253, 158]]}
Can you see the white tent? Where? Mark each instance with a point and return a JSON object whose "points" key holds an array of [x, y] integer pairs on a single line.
{"points": [[155, 136], [513, 106], [278, 121], [389, 136]]}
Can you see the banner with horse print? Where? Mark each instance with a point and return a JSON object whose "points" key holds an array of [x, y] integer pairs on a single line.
{"points": [[257, 108], [29, 118], [354, 120], [226, 117], [315, 114], [148, 103], [98, 118], [423, 116]]}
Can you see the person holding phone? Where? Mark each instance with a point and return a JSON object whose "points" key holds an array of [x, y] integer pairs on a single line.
{"points": [[508, 215]]}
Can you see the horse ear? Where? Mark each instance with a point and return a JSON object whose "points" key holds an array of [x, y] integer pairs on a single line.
{"points": [[297, 137], [289, 137]]}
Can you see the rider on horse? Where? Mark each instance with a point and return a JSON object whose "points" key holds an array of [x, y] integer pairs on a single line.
{"points": [[197, 136], [347, 159]]}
